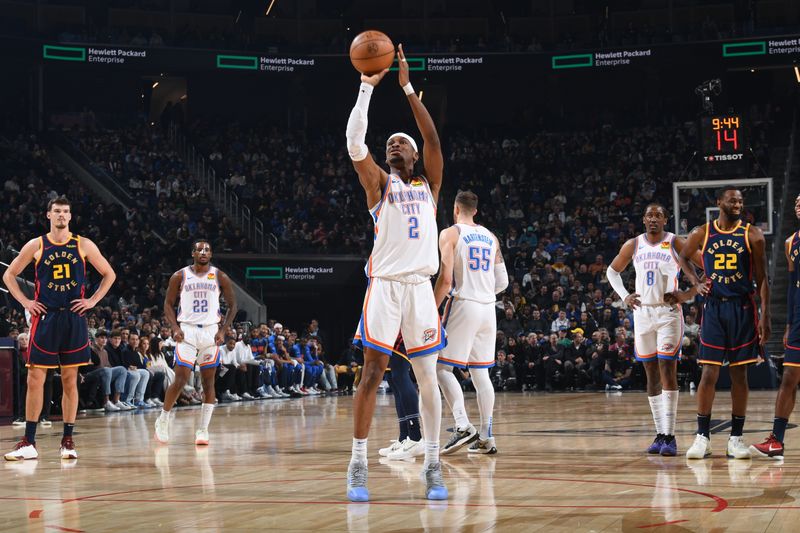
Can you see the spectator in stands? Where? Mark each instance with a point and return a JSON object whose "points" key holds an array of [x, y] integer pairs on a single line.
{"points": [[138, 376], [155, 385], [102, 373], [560, 322]]}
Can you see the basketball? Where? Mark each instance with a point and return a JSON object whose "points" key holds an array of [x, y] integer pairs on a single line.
{"points": [[371, 52]]}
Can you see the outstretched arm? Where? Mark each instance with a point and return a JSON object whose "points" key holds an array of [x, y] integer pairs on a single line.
{"points": [[371, 176], [431, 146]]}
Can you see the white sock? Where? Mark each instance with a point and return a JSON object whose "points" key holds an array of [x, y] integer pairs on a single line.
{"points": [[431, 452], [359, 450], [164, 414], [206, 410], [657, 408], [485, 392], [670, 410], [430, 401], [453, 395]]}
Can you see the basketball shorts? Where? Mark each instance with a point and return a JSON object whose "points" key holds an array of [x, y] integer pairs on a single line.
{"points": [[471, 334], [59, 338], [728, 331], [792, 348], [657, 333], [198, 345], [392, 308]]}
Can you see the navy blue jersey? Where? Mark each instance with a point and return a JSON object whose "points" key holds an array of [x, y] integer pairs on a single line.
{"points": [[728, 261], [794, 279], [60, 273]]}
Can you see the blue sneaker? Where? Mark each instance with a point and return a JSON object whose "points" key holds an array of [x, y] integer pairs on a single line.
{"points": [[655, 448], [669, 448], [357, 482], [434, 485]]}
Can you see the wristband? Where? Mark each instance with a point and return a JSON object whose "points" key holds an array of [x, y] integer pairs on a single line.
{"points": [[408, 89]]}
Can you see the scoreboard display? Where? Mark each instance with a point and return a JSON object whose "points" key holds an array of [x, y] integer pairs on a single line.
{"points": [[723, 144]]}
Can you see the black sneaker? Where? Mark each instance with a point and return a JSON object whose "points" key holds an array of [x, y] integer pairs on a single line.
{"points": [[460, 438], [655, 448]]}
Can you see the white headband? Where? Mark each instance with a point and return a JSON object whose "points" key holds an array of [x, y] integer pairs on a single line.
{"points": [[406, 137]]}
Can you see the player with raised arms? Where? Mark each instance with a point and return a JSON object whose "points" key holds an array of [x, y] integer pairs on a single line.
{"points": [[399, 296]]}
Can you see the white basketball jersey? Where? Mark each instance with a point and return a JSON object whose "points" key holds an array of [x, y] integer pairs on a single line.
{"points": [[406, 237], [473, 265], [199, 297], [656, 268]]}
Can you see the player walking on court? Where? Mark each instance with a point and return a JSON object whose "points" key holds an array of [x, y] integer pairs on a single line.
{"points": [[59, 334], [657, 317], [733, 254], [196, 330], [472, 271], [784, 403], [399, 296]]}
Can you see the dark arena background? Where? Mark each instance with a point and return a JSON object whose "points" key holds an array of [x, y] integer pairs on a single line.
{"points": [[167, 122]]}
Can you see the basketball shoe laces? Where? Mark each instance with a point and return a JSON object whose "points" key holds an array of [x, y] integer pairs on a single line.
{"points": [[358, 475], [66, 443], [433, 475]]}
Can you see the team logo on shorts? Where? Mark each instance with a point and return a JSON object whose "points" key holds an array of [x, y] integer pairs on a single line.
{"points": [[428, 334], [667, 347], [211, 275]]}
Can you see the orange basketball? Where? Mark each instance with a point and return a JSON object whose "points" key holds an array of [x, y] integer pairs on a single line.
{"points": [[371, 52]]}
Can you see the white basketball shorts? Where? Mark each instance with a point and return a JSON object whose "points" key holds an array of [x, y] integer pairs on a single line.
{"points": [[197, 345], [471, 334], [657, 332]]}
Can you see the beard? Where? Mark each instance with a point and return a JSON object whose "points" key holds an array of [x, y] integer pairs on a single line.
{"points": [[397, 161], [732, 216]]}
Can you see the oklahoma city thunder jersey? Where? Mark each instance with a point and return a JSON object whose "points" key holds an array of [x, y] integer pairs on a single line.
{"points": [[656, 268], [405, 231], [199, 297], [60, 273], [727, 260], [473, 264]]}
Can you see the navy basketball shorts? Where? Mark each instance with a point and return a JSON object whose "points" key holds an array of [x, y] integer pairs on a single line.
{"points": [[59, 338], [728, 331], [792, 348]]}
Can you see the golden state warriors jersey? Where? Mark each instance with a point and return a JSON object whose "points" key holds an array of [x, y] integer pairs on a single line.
{"points": [[728, 261], [406, 238], [473, 264], [60, 272]]}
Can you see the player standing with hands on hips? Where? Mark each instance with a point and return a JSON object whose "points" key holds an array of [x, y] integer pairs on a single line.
{"points": [[197, 332], [399, 296]]}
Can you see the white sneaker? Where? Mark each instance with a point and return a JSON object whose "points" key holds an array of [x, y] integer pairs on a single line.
{"points": [[737, 449], [150, 404], [700, 448], [282, 393], [158, 402], [18, 423], [68, 449], [123, 406], [410, 449], [484, 446], [393, 447], [162, 428], [201, 437], [111, 407], [23, 450], [247, 396]]}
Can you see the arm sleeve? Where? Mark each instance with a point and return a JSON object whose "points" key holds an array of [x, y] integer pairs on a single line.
{"points": [[500, 277], [357, 124], [616, 282]]}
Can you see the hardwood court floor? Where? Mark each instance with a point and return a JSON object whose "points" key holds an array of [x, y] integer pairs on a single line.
{"points": [[566, 462]]}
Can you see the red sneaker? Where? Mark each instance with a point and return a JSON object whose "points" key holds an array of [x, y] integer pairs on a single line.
{"points": [[23, 450], [770, 448], [68, 449]]}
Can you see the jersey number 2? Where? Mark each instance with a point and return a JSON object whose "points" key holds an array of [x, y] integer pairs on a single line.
{"points": [[724, 261], [200, 306], [413, 228]]}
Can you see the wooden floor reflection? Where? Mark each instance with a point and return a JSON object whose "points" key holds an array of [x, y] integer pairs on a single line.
{"points": [[566, 462]]}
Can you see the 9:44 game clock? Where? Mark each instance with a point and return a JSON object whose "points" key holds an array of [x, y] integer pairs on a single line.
{"points": [[723, 145]]}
